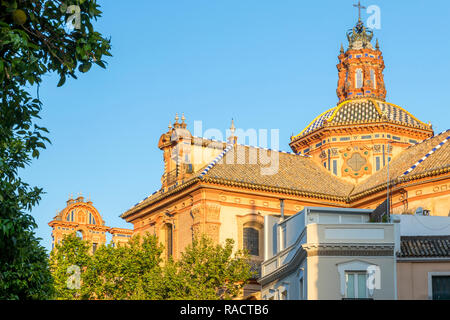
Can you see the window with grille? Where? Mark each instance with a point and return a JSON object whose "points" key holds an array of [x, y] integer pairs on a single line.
{"points": [[251, 241]]}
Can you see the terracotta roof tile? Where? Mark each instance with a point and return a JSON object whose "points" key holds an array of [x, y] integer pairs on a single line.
{"points": [[247, 164], [301, 174], [362, 110], [424, 247], [397, 114], [399, 164], [358, 110]]}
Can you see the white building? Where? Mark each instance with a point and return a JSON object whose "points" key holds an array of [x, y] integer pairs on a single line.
{"points": [[331, 253], [328, 253]]}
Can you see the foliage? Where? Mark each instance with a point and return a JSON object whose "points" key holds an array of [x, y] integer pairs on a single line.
{"points": [[24, 272], [34, 41], [136, 271], [129, 271], [72, 251], [208, 271]]}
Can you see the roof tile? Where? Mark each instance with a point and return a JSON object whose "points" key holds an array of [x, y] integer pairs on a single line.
{"points": [[247, 164], [424, 247]]}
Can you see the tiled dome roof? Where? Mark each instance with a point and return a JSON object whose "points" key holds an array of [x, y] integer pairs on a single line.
{"points": [[356, 111], [363, 110]]}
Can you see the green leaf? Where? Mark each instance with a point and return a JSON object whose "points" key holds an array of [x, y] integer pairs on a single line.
{"points": [[62, 80], [25, 60], [63, 8], [101, 64], [85, 67]]}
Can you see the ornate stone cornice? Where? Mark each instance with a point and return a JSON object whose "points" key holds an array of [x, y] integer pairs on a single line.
{"points": [[259, 187], [341, 200], [344, 249], [328, 127], [160, 195]]}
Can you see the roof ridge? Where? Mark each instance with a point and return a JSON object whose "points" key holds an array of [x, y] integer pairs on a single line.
{"points": [[337, 108], [161, 193], [433, 150], [215, 140], [404, 110], [312, 122], [377, 107], [214, 162], [257, 147], [401, 178], [275, 150], [230, 146], [434, 136], [395, 114], [434, 237]]}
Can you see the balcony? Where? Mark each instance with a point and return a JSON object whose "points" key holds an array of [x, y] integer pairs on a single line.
{"points": [[172, 176], [366, 235]]}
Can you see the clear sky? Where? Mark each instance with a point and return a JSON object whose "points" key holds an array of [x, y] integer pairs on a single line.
{"points": [[269, 64]]}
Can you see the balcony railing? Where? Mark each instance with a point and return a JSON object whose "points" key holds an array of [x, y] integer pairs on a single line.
{"points": [[172, 176]]}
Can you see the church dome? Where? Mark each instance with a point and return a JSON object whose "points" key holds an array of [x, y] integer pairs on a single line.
{"points": [[361, 111]]}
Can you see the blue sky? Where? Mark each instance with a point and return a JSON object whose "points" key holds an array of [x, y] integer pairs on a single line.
{"points": [[268, 64]]}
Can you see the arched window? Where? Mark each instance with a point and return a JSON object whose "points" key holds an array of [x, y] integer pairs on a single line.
{"points": [[91, 218], [359, 78], [373, 78], [251, 241], [169, 239], [70, 216], [79, 234]]}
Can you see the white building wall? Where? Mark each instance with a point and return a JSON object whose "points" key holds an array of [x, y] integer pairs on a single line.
{"points": [[323, 226]]}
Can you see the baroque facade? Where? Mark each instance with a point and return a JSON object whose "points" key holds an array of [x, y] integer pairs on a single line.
{"points": [[350, 156], [83, 219]]}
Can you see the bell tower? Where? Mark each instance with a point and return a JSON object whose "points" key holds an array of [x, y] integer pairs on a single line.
{"points": [[361, 66], [363, 132], [176, 145]]}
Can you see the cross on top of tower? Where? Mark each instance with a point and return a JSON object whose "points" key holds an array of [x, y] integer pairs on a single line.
{"points": [[359, 6]]}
